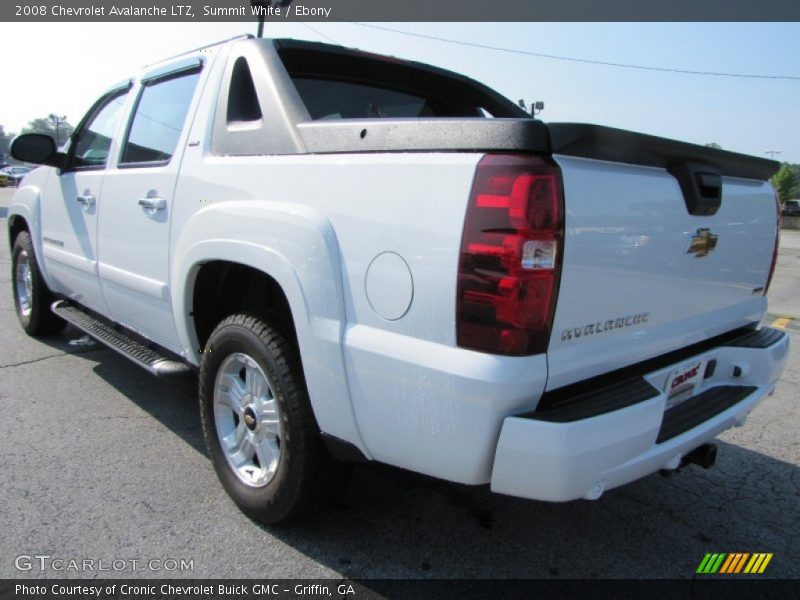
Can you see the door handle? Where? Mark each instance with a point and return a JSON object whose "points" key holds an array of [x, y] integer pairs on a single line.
{"points": [[153, 203], [87, 199]]}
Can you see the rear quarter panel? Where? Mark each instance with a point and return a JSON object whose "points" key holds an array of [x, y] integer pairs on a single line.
{"points": [[415, 399]]}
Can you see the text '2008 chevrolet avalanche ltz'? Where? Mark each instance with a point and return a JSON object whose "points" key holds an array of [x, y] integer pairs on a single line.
{"points": [[366, 258]]}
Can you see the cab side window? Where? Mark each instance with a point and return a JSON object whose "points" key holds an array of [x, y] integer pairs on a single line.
{"points": [[158, 120], [91, 147]]}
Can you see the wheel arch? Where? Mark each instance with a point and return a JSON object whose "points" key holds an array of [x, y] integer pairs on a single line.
{"points": [[222, 288], [16, 225], [24, 214], [294, 250]]}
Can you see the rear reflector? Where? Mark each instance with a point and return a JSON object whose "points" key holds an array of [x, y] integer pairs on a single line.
{"points": [[511, 252]]}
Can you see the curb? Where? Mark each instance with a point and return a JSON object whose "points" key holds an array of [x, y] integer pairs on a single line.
{"points": [[783, 321]]}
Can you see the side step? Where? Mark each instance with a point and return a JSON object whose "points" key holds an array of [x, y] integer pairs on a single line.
{"points": [[103, 331]]}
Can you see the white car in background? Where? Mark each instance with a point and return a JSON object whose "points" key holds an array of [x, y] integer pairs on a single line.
{"points": [[16, 174]]}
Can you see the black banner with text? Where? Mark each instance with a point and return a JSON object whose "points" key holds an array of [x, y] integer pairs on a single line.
{"points": [[394, 10], [369, 589]]}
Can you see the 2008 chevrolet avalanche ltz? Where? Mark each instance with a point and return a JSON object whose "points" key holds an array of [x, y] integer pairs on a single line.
{"points": [[368, 258]]}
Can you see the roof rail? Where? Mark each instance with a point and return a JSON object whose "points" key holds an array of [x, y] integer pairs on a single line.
{"points": [[242, 36]]}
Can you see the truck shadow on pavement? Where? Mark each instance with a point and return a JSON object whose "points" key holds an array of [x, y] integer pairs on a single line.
{"points": [[390, 523], [172, 403], [657, 527]]}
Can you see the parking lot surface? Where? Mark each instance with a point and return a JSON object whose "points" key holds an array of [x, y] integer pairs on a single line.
{"points": [[100, 460]]}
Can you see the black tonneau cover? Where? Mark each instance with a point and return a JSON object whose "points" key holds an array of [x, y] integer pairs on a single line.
{"points": [[524, 135], [425, 135], [619, 145]]}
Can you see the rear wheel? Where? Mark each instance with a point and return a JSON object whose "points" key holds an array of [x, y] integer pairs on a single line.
{"points": [[32, 298], [257, 420]]}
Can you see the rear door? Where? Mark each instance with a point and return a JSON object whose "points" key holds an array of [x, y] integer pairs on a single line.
{"points": [[69, 210], [137, 202]]}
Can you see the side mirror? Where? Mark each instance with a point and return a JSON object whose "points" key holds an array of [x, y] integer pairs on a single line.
{"points": [[37, 148]]}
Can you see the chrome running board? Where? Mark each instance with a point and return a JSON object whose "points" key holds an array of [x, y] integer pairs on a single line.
{"points": [[116, 339]]}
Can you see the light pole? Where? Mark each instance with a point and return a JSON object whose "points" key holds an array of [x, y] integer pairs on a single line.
{"points": [[58, 120], [772, 153]]}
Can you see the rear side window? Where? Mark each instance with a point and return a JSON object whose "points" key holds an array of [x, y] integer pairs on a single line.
{"points": [[158, 120], [327, 99], [243, 106]]}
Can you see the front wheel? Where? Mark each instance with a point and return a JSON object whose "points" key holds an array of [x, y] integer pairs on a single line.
{"points": [[32, 298], [257, 420]]}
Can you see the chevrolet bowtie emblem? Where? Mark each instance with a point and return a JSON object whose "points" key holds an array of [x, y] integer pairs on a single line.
{"points": [[702, 242]]}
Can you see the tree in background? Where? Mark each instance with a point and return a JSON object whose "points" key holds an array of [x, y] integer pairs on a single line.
{"points": [[714, 145], [53, 125], [796, 170], [5, 145], [785, 182]]}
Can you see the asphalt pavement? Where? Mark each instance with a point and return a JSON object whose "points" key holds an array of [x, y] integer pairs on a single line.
{"points": [[101, 461], [784, 293]]}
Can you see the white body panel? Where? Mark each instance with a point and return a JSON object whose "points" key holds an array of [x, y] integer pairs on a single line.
{"points": [[308, 234], [382, 366], [69, 237], [625, 254], [134, 262]]}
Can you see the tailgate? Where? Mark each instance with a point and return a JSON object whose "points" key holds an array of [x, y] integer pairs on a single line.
{"points": [[641, 275]]}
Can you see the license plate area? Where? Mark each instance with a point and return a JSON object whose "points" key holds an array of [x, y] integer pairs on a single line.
{"points": [[683, 382]]}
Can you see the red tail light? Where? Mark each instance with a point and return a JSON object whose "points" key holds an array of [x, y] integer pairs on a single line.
{"points": [[511, 252], [777, 243]]}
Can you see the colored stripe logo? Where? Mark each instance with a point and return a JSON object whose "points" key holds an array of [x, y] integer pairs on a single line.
{"points": [[734, 563]]}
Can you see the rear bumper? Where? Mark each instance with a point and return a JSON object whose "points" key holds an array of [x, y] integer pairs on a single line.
{"points": [[566, 457]]}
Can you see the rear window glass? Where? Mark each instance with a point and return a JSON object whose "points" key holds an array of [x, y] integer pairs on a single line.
{"points": [[337, 83], [326, 99]]}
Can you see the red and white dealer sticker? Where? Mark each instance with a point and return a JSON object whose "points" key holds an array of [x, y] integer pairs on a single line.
{"points": [[683, 381]]}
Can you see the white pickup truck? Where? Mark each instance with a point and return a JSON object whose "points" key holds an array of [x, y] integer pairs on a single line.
{"points": [[372, 259]]}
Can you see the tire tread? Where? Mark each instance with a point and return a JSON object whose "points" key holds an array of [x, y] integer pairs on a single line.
{"points": [[308, 469], [42, 321]]}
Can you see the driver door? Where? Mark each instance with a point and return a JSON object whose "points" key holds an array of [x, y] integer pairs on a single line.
{"points": [[69, 205]]}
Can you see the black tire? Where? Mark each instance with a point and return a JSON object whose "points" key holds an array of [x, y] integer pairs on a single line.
{"points": [[304, 465], [37, 319]]}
